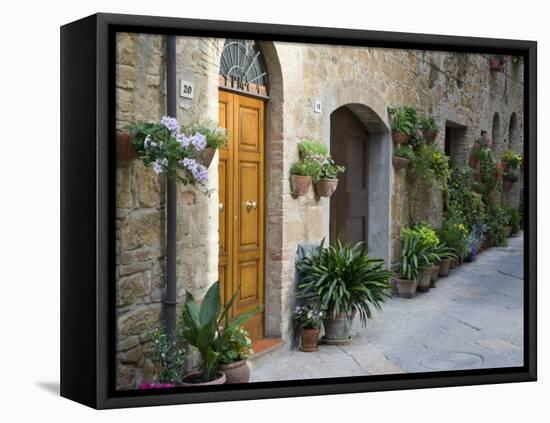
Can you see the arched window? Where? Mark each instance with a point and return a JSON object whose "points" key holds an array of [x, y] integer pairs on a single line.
{"points": [[242, 68], [513, 132], [496, 135]]}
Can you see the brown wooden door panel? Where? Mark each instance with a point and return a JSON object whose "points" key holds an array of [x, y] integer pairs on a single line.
{"points": [[242, 205], [349, 204]]}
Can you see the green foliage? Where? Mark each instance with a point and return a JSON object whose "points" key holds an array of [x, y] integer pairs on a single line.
{"points": [[415, 255], [430, 164], [453, 233], [215, 137], [169, 353], [237, 346], [306, 167], [312, 150], [512, 159], [497, 224], [513, 218], [511, 176], [310, 315], [405, 151], [427, 123], [428, 236], [329, 170], [208, 328], [404, 119], [489, 185], [343, 277], [460, 199]]}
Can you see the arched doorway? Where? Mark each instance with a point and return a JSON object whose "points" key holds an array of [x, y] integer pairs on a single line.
{"points": [[243, 90], [496, 134]]}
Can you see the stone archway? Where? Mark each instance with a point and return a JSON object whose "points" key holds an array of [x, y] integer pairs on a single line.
{"points": [[513, 133], [496, 135]]}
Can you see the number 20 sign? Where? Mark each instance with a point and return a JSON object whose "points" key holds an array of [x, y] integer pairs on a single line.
{"points": [[187, 89]]}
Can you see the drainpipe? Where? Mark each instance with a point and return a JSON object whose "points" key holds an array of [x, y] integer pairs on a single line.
{"points": [[170, 300]]}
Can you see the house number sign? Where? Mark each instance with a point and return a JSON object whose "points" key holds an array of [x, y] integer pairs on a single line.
{"points": [[187, 89]]}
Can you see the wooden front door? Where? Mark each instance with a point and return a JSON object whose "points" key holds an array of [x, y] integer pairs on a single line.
{"points": [[349, 204], [241, 208]]}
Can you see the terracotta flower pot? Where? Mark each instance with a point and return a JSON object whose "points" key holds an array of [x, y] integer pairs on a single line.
{"points": [[326, 187], [424, 280], [429, 135], [405, 287], [337, 329], [238, 372], [435, 275], [193, 378], [207, 155], [454, 263], [399, 162], [473, 161], [124, 149], [444, 267], [507, 185], [399, 137], [309, 339], [300, 184]]}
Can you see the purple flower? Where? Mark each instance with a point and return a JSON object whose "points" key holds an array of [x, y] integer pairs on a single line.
{"points": [[199, 172], [159, 164], [199, 141], [183, 140], [171, 124]]}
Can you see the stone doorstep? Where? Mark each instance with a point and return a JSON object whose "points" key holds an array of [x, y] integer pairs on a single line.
{"points": [[265, 346]]}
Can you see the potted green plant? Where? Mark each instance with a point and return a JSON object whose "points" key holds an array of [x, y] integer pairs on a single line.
{"points": [[510, 160], [309, 318], [346, 281], [425, 252], [480, 144], [404, 121], [452, 233], [234, 355], [402, 157], [301, 174], [124, 149], [429, 128], [414, 262], [168, 353], [207, 327], [312, 150], [326, 180], [445, 254], [215, 139]]}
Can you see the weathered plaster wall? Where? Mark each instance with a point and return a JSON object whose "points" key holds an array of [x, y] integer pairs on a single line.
{"points": [[457, 89]]}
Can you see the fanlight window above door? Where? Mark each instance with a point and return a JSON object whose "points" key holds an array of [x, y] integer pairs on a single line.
{"points": [[242, 68]]}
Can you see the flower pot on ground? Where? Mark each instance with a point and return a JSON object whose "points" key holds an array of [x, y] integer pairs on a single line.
{"points": [[406, 287], [308, 318], [326, 180], [425, 279], [124, 149], [454, 263], [234, 353], [197, 379], [342, 278], [444, 267], [435, 276], [237, 372], [301, 174]]}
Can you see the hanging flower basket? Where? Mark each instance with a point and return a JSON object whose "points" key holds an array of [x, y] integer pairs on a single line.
{"points": [[124, 149], [326, 187], [429, 135], [399, 162], [206, 156], [399, 137], [300, 184]]}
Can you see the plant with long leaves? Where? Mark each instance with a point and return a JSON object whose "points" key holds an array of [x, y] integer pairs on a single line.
{"points": [[207, 327], [343, 278], [416, 256]]}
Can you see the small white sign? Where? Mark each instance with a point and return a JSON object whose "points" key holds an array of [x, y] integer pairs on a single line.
{"points": [[317, 106], [187, 89]]}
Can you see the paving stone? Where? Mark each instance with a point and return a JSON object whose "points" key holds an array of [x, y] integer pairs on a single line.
{"points": [[498, 344]]}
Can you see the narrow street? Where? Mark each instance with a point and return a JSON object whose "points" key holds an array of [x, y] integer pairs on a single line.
{"points": [[473, 319]]}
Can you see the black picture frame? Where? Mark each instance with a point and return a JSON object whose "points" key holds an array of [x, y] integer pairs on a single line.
{"points": [[87, 211]]}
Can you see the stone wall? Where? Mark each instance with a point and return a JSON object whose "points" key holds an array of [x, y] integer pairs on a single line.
{"points": [[458, 89]]}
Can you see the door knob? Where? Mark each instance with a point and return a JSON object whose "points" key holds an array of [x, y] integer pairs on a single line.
{"points": [[251, 205], [221, 206]]}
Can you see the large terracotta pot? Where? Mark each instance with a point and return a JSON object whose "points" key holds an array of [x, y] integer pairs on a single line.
{"points": [[429, 135], [207, 155], [326, 187], [424, 280], [337, 329], [435, 275], [124, 149], [399, 137], [454, 263], [309, 339], [191, 379], [238, 372], [405, 287], [399, 162], [300, 184], [444, 267]]}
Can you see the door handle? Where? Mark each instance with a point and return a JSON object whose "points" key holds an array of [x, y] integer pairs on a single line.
{"points": [[221, 207], [251, 205]]}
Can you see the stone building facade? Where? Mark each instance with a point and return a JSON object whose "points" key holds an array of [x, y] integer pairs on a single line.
{"points": [[457, 88]]}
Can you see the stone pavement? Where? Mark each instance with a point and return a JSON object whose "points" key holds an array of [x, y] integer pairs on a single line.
{"points": [[473, 319]]}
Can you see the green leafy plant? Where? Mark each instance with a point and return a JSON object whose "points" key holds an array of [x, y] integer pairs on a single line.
{"points": [[427, 123], [208, 328], [237, 345], [497, 224], [216, 137], [169, 352], [306, 167], [405, 151], [329, 170], [342, 278], [428, 241], [430, 164], [511, 176], [512, 159], [453, 233], [513, 219], [415, 257], [312, 150], [309, 315], [404, 119]]}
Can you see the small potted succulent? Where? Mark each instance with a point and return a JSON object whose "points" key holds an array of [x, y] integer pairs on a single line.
{"points": [[301, 173], [234, 354], [402, 157], [309, 318], [403, 123], [429, 128], [326, 180]]}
